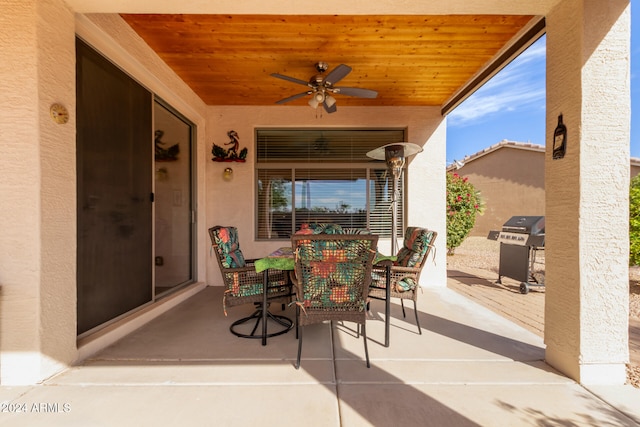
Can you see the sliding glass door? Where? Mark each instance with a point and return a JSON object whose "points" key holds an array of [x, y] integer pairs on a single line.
{"points": [[173, 137], [135, 191]]}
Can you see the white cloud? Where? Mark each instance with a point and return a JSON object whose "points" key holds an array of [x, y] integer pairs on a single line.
{"points": [[519, 86]]}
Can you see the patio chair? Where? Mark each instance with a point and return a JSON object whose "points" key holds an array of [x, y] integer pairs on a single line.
{"points": [[332, 278], [405, 271], [244, 285]]}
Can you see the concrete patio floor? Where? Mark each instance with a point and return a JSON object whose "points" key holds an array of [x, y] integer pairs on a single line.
{"points": [[470, 367]]}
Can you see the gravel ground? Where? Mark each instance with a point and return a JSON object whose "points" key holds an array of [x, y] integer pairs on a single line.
{"points": [[481, 253]]}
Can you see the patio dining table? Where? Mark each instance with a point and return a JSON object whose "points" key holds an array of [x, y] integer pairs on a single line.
{"points": [[283, 259]]}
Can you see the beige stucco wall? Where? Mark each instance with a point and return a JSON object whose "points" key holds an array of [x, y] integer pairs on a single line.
{"points": [[37, 248], [586, 310], [232, 203], [511, 182]]}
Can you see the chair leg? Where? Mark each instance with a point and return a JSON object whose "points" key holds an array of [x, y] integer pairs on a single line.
{"points": [[415, 310], [297, 319], [364, 337], [299, 350], [402, 304]]}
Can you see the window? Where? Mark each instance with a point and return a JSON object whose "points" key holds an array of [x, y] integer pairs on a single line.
{"points": [[323, 176]]}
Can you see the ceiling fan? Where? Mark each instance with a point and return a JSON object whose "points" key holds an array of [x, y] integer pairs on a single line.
{"points": [[321, 87]]}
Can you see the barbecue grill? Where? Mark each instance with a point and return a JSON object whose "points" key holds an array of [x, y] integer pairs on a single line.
{"points": [[520, 239]]}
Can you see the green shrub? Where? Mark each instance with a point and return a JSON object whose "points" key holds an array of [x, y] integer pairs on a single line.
{"points": [[463, 205], [634, 221]]}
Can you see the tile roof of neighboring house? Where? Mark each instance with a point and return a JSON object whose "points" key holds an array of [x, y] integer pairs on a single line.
{"points": [[635, 161], [504, 143]]}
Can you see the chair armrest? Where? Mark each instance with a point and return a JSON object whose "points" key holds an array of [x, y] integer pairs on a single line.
{"points": [[397, 274], [382, 266], [401, 269], [245, 269]]}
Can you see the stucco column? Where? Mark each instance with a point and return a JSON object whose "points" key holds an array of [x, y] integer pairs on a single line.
{"points": [[587, 191], [427, 195], [37, 189]]}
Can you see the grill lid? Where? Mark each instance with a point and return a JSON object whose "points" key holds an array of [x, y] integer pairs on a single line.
{"points": [[533, 225]]}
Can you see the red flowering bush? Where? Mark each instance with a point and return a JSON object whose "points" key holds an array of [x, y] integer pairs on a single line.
{"points": [[463, 204], [634, 221]]}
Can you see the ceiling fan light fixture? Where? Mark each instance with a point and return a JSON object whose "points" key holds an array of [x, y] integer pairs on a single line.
{"points": [[317, 99], [321, 87]]}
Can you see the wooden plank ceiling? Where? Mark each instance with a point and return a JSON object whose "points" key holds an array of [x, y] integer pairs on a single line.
{"points": [[409, 60]]}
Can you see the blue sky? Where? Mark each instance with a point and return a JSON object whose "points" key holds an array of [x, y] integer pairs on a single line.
{"points": [[512, 104]]}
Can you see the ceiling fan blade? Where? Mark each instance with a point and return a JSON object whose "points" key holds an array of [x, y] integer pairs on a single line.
{"points": [[291, 98], [290, 79], [356, 91], [328, 109], [337, 74]]}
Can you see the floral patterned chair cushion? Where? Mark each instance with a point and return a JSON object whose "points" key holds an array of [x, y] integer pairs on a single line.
{"points": [[228, 246], [355, 230], [416, 244], [329, 273], [320, 228], [329, 228], [412, 254]]}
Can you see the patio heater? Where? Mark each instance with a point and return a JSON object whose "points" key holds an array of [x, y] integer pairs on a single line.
{"points": [[395, 155]]}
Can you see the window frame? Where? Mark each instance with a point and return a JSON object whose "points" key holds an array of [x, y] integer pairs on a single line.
{"points": [[303, 163]]}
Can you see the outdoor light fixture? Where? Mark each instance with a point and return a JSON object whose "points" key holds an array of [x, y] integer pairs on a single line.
{"points": [[395, 155], [227, 174], [559, 140]]}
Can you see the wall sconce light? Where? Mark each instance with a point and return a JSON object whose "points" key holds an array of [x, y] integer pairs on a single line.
{"points": [[227, 174], [559, 140]]}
